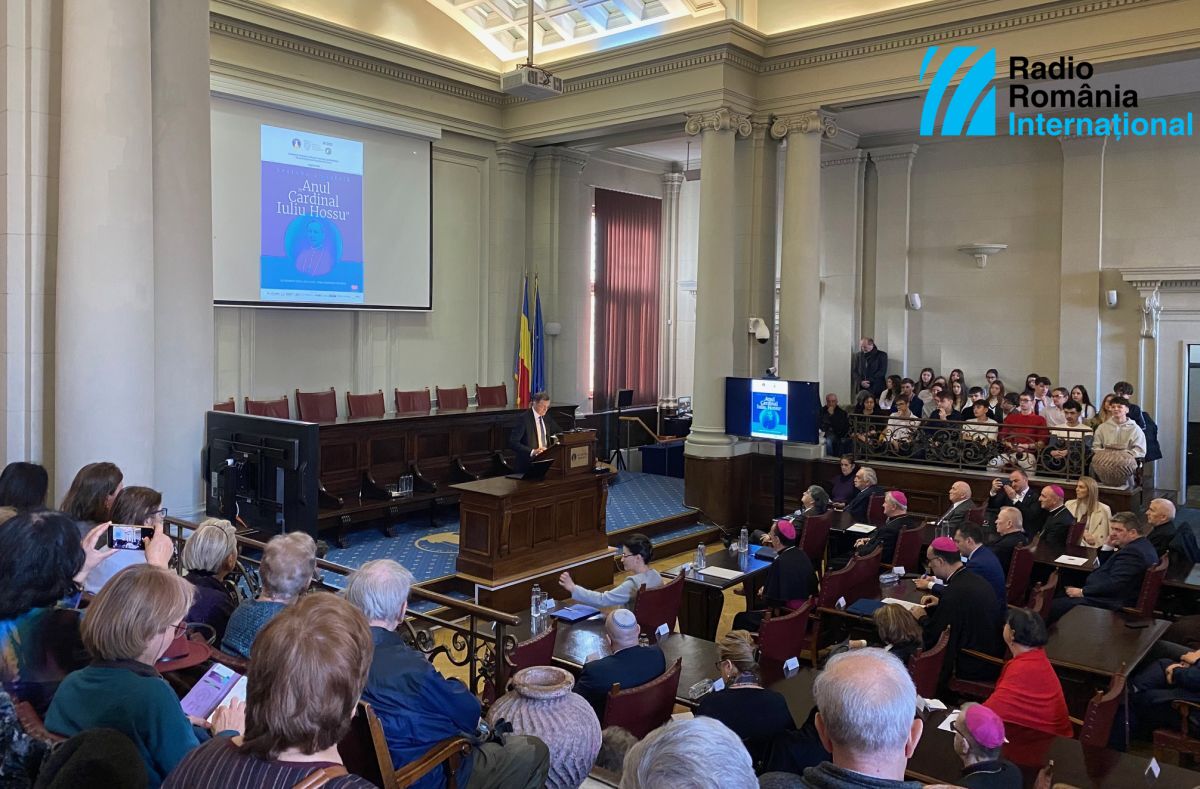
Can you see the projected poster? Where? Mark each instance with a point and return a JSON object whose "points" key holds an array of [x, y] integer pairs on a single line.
{"points": [[769, 409], [312, 227]]}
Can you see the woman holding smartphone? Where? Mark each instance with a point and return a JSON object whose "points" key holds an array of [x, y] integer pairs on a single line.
{"points": [[134, 506]]}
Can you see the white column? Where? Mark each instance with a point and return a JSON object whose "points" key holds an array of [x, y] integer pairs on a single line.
{"points": [[842, 186], [893, 165], [715, 285], [105, 317], [1082, 239], [561, 211], [183, 276], [509, 260], [800, 253], [669, 289], [762, 243]]}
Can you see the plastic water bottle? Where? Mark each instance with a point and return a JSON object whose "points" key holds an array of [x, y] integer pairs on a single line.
{"points": [[743, 541], [701, 557], [535, 602]]}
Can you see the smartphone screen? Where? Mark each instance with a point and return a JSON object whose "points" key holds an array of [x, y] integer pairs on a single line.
{"points": [[128, 538]]}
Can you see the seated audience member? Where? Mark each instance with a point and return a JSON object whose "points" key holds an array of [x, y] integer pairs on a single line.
{"points": [[1054, 413], [23, 486], [974, 395], [891, 390], [995, 396], [1116, 446], [868, 485], [127, 629], [902, 426], [1070, 443], [42, 564], [1022, 436], [895, 509], [978, 740], [842, 490], [898, 631], [924, 384], [1102, 413], [1058, 519], [1125, 389], [753, 712], [1087, 508], [1009, 405], [1041, 394], [968, 606], [417, 706], [790, 579], [1160, 517], [629, 664], [615, 744], [960, 505], [835, 424], [1117, 582], [943, 415], [209, 555], [979, 426], [814, 501], [90, 498], [308, 671], [1079, 394], [1009, 536], [1154, 687], [867, 422], [867, 720], [1028, 692], [1017, 493], [133, 506], [635, 559], [980, 560], [958, 394], [97, 757], [909, 393], [700, 753], [286, 570]]}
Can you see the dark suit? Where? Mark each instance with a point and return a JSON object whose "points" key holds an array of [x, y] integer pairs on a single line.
{"points": [[968, 606], [1058, 526], [986, 564], [861, 503], [1032, 513], [1115, 583], [870, 366], [523, 438], [1004, 546], [631, 667], [1161, 537], [886, 536], [956, 515]]}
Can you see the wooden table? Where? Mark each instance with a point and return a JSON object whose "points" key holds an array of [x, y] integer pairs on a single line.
{"points": [[704, 593]]}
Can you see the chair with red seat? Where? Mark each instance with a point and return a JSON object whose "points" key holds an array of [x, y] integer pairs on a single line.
{"points": [[849, 581], [536, 651], [453, 399], [814, 537], [977, 514], [907, 553], [1101, 711], [875, 513], [1151, 585], [491, 396], [1042, 596], [925, 666], [317, 406], [413, 401], [1020, 568], [1183, 740], [659, 606], [643, 709], [364, 752], [280, 409], [228, 406], [1075, 535], [364, 405], [781, 638]]}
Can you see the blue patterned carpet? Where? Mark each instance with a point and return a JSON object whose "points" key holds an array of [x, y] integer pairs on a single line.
{"points": [[430, 552]]}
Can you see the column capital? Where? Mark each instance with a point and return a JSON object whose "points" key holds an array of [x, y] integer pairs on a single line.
{"points": [[553, 154], [893, 153], [840, 158], [672, 182], [809, 122], [512, 157], [721, 119]]}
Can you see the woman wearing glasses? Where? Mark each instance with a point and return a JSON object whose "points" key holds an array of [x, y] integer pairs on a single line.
{"points": [[127, 629], [133, 506]]}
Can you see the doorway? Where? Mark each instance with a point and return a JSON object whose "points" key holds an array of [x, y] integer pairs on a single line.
{"points": [[1192, 459]]}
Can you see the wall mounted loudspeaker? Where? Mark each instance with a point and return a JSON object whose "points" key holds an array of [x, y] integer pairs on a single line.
{"points": [[914, 301], [1111, 298]]}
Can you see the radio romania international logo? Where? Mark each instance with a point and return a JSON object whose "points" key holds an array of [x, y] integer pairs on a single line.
{"points": [[965, 98]]}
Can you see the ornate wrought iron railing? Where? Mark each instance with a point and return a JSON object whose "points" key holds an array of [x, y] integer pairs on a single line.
{"points": [[1049, 452], [466, 636]]}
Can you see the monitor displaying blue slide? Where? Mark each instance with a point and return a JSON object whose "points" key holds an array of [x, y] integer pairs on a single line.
{"points": [[768, 409], [312, 218], [773, 409]]}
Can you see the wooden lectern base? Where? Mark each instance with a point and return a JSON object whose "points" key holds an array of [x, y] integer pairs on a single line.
{"points": [[512, 594]]}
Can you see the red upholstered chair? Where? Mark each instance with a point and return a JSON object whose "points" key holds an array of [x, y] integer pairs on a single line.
{"points": [[814, 537], [317, 406], [1101, 710], [875, 515], [1020, 567], [364, 751], [660, 606], [783, 637], [908, 548], [1076, 532], [643, 709], [536, 651], [452, 399], [849, 581], [977, 514], [925, 666], [276, 408], [228, 406], [1043, 595], [1151, 585], [413, 401], [1182, 740], [491, 396], [359, 405]]}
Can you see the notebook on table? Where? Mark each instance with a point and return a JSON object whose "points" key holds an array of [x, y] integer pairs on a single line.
{"points": [[575, 613]]}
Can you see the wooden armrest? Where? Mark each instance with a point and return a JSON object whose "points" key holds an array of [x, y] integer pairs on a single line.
{"points": [[238, 664], [420, 483], [1185, 708], [326, 500], [451, 750], [995, 661], [32, 723], [459, 468]]}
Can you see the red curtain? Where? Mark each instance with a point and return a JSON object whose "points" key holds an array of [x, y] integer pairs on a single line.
{"points": [[627, 292]]}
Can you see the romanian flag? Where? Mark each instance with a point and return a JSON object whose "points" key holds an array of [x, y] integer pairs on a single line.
{"points": [[523, 363], [539, 343]]}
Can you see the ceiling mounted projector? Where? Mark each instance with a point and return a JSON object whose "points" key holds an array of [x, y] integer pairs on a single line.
{"points": [[530, 82]]}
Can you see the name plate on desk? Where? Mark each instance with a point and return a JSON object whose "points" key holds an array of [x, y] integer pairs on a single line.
{"points": [[578, 457]]}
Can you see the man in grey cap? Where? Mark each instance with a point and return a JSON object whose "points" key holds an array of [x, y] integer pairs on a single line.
{"points": [[627, 664]]}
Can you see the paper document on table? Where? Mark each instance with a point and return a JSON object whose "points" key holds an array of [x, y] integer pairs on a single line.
{"points": [[905, 603], [861, 528], [1074, 561], [948, 720], [721, 572]]}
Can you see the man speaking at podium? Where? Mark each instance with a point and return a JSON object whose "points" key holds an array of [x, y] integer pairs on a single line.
{"points": [[532, 437]]}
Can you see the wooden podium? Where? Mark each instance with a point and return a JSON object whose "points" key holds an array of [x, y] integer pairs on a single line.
{"points": [[514, 532]]}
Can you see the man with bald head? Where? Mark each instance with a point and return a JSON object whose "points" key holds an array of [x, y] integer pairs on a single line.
{"points": [[1059, 520], [1010, 534], [1160, 515], [960, 505], [627, 664]]}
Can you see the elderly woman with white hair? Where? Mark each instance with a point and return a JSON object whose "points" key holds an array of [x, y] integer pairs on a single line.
{"points": [[209, 555], [286, 570], [701, 753]]}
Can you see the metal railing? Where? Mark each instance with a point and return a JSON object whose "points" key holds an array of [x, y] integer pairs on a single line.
{"points": [[970, 445], [474, 631]]}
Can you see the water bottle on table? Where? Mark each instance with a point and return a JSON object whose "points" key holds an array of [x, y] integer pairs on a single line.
{"points": [[701, 557], [535, 601], [743, 541]]}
